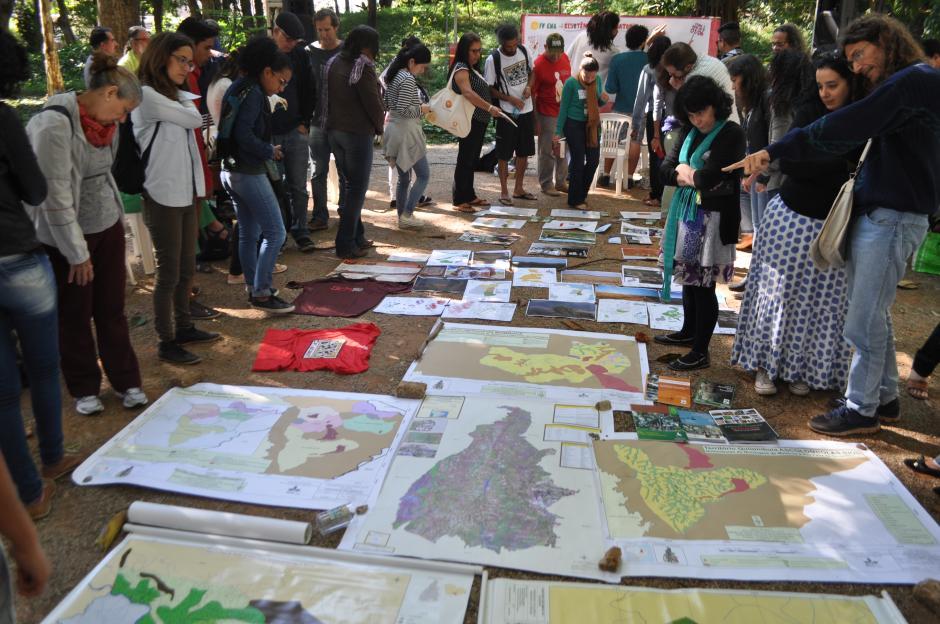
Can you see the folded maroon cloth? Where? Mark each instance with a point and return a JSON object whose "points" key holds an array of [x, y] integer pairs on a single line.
{"points": [[338, 296]]}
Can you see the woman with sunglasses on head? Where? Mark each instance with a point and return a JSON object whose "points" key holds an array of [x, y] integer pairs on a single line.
{"points": [[247, 164], [897, 188], [81, 222], [468, 82], [791, 320], [165, 124]]}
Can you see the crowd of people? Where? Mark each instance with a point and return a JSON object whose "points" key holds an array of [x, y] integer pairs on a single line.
{"points": [[742, 157]]}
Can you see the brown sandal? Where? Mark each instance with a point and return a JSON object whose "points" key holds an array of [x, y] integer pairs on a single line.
{"points": [[917, 388], [465, 208], [480, 202]]}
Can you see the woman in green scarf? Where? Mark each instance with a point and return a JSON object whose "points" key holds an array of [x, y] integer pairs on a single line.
{"points": [[702, 225]]}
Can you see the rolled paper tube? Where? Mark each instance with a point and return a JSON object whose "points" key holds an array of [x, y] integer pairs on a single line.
{"points": [[219, 523]]}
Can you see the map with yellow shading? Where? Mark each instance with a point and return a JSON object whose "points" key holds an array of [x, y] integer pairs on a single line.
{"points": [[546, 602], [255, 444], [553, 363], [695, 492]]}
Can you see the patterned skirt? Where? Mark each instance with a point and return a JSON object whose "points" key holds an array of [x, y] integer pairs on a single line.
{"points": [[792, 314], [701, 259]]}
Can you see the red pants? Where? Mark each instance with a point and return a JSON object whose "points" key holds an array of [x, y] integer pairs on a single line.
{"points": [[102, 301]]}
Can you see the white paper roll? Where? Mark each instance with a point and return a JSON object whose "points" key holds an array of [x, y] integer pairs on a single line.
{"points": [[219, 523]]}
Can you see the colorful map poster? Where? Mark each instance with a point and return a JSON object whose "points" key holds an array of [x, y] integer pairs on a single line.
{"points": [[148, 579], [269, 446], [496, 493], [569, 366], [801, 511], [544, 602]]}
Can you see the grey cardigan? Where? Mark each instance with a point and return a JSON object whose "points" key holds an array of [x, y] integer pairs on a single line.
{"points": [[63, 152]]}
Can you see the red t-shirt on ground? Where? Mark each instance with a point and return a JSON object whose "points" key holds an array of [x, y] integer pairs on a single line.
{"points": [[344, 350], [549, 80]]}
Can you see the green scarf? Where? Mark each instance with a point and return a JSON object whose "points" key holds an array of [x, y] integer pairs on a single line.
{"points": [[684, 204]]}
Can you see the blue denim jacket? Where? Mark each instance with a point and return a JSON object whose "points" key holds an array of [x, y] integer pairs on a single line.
{"points": [[251, 131]]}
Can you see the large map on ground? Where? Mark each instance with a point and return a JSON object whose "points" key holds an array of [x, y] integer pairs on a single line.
{"points": [[150, 580], [544, 602], [271, 446], [528, 362], [496, 487], [799, 511]]}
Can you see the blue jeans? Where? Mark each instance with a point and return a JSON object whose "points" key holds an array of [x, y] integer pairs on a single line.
{"points": [[752, 209], [295, 167], [259, 216], [583, 161], [28, 306], [880, 245], [353, 152], [320, 151], [405, 201]]}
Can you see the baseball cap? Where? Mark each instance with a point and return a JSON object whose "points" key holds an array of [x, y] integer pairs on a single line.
{"points": [[290, 24], [555, 42]]}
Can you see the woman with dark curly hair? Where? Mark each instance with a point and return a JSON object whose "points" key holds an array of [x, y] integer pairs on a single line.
{"points": [[792, 316], [702, 225], [598, 39], [897, 188], [247, 164]]}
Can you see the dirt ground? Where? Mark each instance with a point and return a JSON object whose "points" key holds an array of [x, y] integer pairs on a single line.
{"points": [[79, 513]]}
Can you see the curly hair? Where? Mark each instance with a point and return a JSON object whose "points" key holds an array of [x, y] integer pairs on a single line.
{"points": [[900, 48], [794, 36], [697, 94], [753, 79], [15, 68], [602, 29], [791, 74], [260, 53]]}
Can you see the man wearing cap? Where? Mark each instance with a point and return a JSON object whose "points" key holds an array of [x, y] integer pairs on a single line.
{"points": [[137, 39], [290, 126], [552, 69], [729, 41]]}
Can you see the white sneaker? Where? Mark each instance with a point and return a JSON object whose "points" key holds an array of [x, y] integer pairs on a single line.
{"points": [[409, 223], [763, 384], [799, 388], [133, 397], [88, 405]]}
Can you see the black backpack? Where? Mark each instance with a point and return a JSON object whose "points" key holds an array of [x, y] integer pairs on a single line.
{"points": [[130, 165], [498, 66]]}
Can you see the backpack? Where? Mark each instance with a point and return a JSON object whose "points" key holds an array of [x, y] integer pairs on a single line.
{"points": [[498, 66], [130, 165], [224, 143]]}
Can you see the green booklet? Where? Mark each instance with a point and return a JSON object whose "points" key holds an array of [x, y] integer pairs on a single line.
{"points": [[657, 422]]}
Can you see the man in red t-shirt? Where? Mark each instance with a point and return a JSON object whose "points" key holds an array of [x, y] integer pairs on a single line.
{"points": [[552, 69]]}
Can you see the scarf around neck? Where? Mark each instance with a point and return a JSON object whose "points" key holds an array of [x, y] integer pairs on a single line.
{"points": [[684, 203], [97, 134], [355, 75], [593, 115]]}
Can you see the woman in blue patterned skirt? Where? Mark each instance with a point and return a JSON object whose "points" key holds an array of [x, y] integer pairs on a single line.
{"points": [[791, 320]]}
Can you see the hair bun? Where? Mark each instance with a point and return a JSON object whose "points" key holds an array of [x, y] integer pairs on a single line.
{"points": [[589, 54], [102, 62]]}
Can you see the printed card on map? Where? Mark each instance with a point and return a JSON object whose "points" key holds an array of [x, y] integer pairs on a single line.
{"points": [[483, 310], [665, 316], [640, 215], [498, 223], [488, 238], [700, 427], [449, 257], [641, 277], [622, 311], [561, 224], [570, 292], [510, 211], [675, 391], [714, 394], [412, 306], [639, 252], [534, 277], [324, 349], [487, 290], [657, 422], [563, 213]]}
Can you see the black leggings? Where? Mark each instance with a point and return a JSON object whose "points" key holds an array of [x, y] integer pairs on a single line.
{"points": [[928, 355], [700, 306]]}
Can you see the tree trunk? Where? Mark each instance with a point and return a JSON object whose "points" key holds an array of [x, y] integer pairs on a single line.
{"points": [[54, 81], [246, 7], [157, 15], [259, 9], [727, 10], [385, 4], [63, 22], [119, 15], [336, 6], [209, 6], [6, 12], [194, 9], [347, 6], [373, 17]]}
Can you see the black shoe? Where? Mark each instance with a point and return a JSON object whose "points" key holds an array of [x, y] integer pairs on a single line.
{"points": [[201, 312], [273, 305], [738, 287], [890, 412], [365, 244], [603, 181], [393, 205], [673, 339], [186, 335], [174, 353], [305, 245], [316, 226], [844, 421], [352, 254], [424, 201], [690, 361]]}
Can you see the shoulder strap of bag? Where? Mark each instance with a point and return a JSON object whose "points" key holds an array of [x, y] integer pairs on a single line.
{"points": [[498, 68], [861, 159], [61, 110], [146, 155]]}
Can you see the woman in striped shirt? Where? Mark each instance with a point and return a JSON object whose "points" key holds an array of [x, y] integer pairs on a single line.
{"points": [[405, 146]]}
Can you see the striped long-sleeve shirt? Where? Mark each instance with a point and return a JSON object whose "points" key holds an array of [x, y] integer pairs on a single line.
{"points": [[403, 98]]}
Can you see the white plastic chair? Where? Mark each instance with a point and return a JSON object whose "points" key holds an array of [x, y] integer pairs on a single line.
{"points": [[612, 127]]}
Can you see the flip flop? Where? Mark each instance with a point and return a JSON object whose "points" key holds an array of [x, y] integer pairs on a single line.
{"points": [[465, 208], [480, 202], [527, 196], [917, 388], [505, 201], [920, 465]]}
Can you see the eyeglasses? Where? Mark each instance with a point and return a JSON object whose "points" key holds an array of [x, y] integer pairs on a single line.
{"points": [[858, 54], [185, 62], [283, 82]]}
